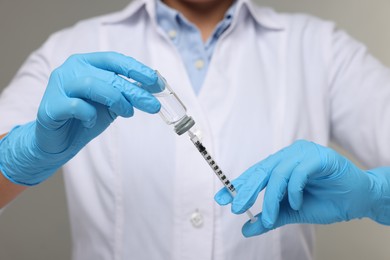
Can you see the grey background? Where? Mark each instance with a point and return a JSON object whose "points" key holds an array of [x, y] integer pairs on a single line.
{"points": [[35, 226]]}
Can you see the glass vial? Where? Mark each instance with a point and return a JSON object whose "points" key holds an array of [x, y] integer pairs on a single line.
{"points": [[172, 111]]}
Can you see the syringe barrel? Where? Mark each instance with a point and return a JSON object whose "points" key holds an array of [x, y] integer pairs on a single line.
{"points": [[217, 170], [172, 111]]}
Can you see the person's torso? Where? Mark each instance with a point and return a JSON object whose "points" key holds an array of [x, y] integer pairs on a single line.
{"points": [[139, 191]]}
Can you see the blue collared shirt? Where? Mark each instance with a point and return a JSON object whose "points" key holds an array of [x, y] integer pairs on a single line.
{"points": [[187, 38]]}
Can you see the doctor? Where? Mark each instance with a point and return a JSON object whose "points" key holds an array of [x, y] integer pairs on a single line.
{"points": [[239, 68]]}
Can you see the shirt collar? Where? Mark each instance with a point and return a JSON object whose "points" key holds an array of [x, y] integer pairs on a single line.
{"points": [[166, 16], [169, 18], [265, 17]]}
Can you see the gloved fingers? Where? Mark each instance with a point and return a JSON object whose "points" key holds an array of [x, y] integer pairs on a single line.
{"points": [[276, 190], [223, 196], [54, 115], [159, 86], [271, 161], [248, 181], [313, 211], [256, 180], [142, 99], [286, 216], [99, 91], [298, 180], [254, 229], [251, 188], [138, 97], [124, 65]]}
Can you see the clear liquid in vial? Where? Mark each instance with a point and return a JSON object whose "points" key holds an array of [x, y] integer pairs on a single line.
{"points": [[172, 110]]}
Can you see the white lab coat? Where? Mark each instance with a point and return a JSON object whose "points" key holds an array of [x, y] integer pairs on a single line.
{"points": [[139, 191]]}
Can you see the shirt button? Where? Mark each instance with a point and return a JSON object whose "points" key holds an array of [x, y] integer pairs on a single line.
{"points": [[199, 64], [172, 34], [197, 219]]}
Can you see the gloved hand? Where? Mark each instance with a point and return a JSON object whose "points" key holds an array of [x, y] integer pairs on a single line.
{"points": [[309, 183], [82, 98]]}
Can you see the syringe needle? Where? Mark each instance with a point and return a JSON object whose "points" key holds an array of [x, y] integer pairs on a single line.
{"points": [[217, 170]]}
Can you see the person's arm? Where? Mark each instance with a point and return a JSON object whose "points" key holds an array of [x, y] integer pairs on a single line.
{"points": [[83, 97], [8, 190], [310, 183]]}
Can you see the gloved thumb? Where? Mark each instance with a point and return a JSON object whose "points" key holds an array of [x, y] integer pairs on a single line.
{"points": [[286, 216]]}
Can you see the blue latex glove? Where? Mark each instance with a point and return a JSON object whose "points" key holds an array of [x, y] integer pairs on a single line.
{"points": [[82, 98], [309, 183]]}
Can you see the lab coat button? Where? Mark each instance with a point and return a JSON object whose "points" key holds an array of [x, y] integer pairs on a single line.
{"points": [[172, 34], [199, 64], [196, 219]]}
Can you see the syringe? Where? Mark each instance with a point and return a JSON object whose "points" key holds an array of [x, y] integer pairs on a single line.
{"points": [[174, 113], [217, 170]]}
